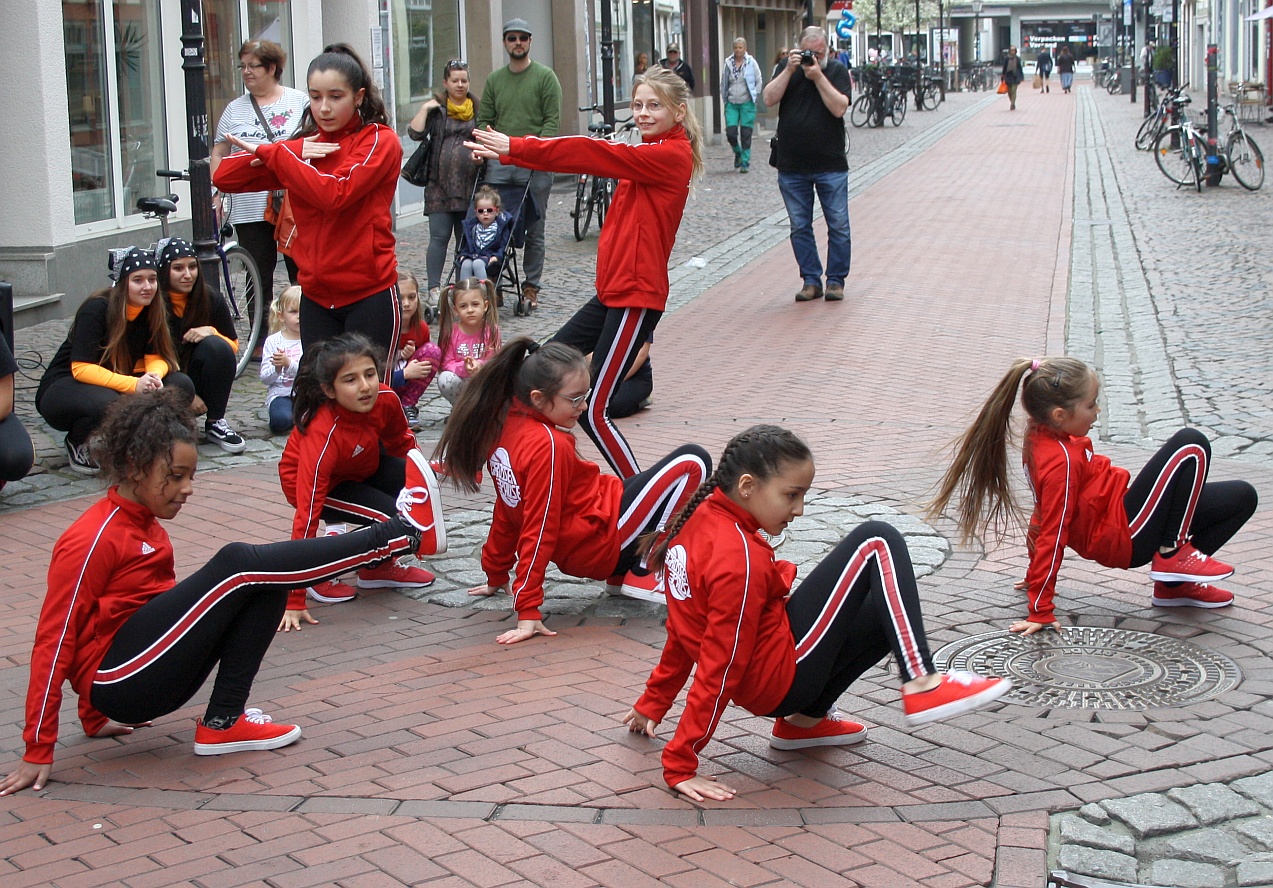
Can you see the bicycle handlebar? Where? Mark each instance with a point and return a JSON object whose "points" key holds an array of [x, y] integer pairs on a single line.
{"points": [[173, 174]]}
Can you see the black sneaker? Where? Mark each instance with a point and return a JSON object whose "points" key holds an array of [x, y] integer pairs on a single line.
{"points": [[80, 459], [413, 415], [221, 434]]}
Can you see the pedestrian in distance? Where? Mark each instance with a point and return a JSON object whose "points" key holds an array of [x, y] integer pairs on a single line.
{"points": [[341, 175], [203, 334], [17, 454], [1013, 73], [268, 112], [636, 241], [523, 99], [1065, 67], [119, 344], [812, 93], [416, 359], [345, 461], [468, 335], [740, 86], [551, 505], [447, 120], [782, 653], [281, 358], [134, 643], [642, 64], [1043, 67], [1170, 517], [678, 66]]}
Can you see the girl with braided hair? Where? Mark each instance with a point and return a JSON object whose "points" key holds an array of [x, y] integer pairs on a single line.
{"points": [[515, 415], [781, 653]]}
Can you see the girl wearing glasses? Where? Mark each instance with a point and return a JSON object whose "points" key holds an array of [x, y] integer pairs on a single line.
{"points": [[1170, 517], [636, 241], [485, 236], [447, 120], [515, 415]]}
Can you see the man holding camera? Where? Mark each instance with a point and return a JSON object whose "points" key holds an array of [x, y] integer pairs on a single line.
{"points": [[812, 93]]}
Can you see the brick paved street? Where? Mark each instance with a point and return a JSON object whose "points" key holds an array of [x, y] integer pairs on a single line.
{"points": [[431, 756]]}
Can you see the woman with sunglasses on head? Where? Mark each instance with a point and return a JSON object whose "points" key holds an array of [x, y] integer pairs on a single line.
{"points": [[448, 120]]}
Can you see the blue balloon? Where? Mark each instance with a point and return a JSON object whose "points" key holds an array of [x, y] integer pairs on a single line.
{"points": [[844, 28]]}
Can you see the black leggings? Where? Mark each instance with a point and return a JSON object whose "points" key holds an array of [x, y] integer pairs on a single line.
{"points": [[258, 239], [651, 498], [632, 392], [211, 370], [1171, 502], [77, 408], [613, 336], [17, 454], [373, 499], [226, 613], [375, 316], [858, 604]]}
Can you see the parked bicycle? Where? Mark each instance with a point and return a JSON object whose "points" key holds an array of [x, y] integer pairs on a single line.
{"points": [[1242, 157], [1163, 116], [1180, 150], [929, 91], [241, 281], [593, 193], [881, 97]]}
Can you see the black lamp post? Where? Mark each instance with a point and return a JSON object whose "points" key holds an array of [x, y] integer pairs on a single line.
{"points": [[976, 30], [202, 217]]}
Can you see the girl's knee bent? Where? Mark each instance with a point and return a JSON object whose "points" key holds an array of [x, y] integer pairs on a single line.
{"points": [[1189, 437]]}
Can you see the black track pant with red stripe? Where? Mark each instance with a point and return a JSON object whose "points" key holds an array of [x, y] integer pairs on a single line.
{"points": [[613, 336], [372, 499], [857, 605], [1171, 501], [225, 613], [651, 498]]}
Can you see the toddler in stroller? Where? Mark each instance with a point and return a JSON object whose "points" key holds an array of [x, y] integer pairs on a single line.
{"points": [[486, 236]]}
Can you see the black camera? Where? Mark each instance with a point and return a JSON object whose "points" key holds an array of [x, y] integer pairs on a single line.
{"points": [[808, 59]]}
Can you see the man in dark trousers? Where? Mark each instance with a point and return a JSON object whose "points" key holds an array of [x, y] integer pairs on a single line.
{"points": [[812, 95], [678, 65]]}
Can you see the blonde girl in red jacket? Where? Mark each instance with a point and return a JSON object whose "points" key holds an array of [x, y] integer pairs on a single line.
{"points": [[134, 643], [1170, 517], [782, 653], [345, 461], [636, 241], [515, 415], [340, 173]]}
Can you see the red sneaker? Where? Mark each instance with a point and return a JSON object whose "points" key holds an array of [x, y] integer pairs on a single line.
{"points": [[331, 592], [252, 730], [420, 506], [959, 692], [1191, 595], [391, 574], [834, 730], [643, 587], [1188, 565]]}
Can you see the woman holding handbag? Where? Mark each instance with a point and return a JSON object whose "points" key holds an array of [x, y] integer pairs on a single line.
{"points": [[269, 112], [444, 123], [1012, 75]]}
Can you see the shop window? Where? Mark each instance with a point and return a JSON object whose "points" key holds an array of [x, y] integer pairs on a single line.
{"points": [[424, 36], [115, 104], [226, 29]]}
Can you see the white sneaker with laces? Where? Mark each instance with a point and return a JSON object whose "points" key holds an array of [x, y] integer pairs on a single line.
{"points": [[221, 433]]}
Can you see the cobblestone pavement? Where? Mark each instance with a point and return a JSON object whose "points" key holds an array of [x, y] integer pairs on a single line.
{"points": [[431, 756]]}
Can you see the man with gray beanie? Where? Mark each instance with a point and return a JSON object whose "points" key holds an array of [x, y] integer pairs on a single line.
{"points": [[523, 99]]}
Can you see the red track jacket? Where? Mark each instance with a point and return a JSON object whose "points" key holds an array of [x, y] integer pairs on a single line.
{"points": [[727, 616], [550, 506], [1078, 502], [343, 204], [337, 446], [640, 230], [107, 564]]}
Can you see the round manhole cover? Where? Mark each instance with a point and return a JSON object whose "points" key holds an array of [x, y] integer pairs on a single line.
{"points": [[1085, 667]]}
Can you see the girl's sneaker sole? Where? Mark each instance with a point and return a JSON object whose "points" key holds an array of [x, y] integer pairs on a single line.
{"points": [[248, 745]]}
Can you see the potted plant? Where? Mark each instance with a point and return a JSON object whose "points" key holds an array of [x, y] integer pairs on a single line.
{"points": [[1164, 66]]}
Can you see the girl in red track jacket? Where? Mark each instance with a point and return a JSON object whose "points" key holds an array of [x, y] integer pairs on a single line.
{"points": [[341, 173], [552, 506], [345, 460], [1170, 517], [636, 241], [788, 655], [134, 643]]}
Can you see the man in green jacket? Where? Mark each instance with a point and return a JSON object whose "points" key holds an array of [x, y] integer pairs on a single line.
{"points": [[523, 99]]}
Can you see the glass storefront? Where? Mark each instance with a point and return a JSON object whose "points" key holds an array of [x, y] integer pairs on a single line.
{"points": [[225, 29], [1036, 35], [424, 36]]}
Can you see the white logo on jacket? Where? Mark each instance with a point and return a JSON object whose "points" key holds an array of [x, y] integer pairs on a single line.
{"points": [[147, 549], [357, 450], [675, 576], [505, 481]]}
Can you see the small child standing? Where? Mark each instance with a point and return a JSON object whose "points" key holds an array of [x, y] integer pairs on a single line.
{"points": [[485, 236], [417, 358], [469, 334], [280, 357]]}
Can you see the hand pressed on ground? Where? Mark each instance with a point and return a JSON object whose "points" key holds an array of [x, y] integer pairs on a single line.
{"points": [[292, 620], [1025, 627], [526, 629], [640, 724], [484, 590], [700, 789]]}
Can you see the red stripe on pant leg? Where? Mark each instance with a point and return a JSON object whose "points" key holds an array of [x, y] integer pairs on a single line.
{"points": [[1154, 500], [688, 471], [356, 510], [906, 636], [609, 440]]}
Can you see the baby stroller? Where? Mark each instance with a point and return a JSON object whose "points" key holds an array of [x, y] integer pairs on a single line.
{"points": [[516, 201]]}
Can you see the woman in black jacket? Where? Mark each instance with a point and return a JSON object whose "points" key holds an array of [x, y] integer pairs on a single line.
{"points": [[1013, 74]]}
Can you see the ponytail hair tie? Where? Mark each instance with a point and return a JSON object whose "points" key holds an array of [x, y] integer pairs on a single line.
{"points": [[1034, 365], [532, 348]]}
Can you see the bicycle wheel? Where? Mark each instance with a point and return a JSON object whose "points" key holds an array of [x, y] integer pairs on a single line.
{"points": [[898, 110], [1175, 163], [1198, 156], [605, 191], [582, 205], [930, 97], [246, 299], [861, 111], [1246, 162], [1148, 132]]}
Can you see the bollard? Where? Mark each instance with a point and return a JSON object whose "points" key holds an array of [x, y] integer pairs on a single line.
{"points": [[1215, 169]]}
